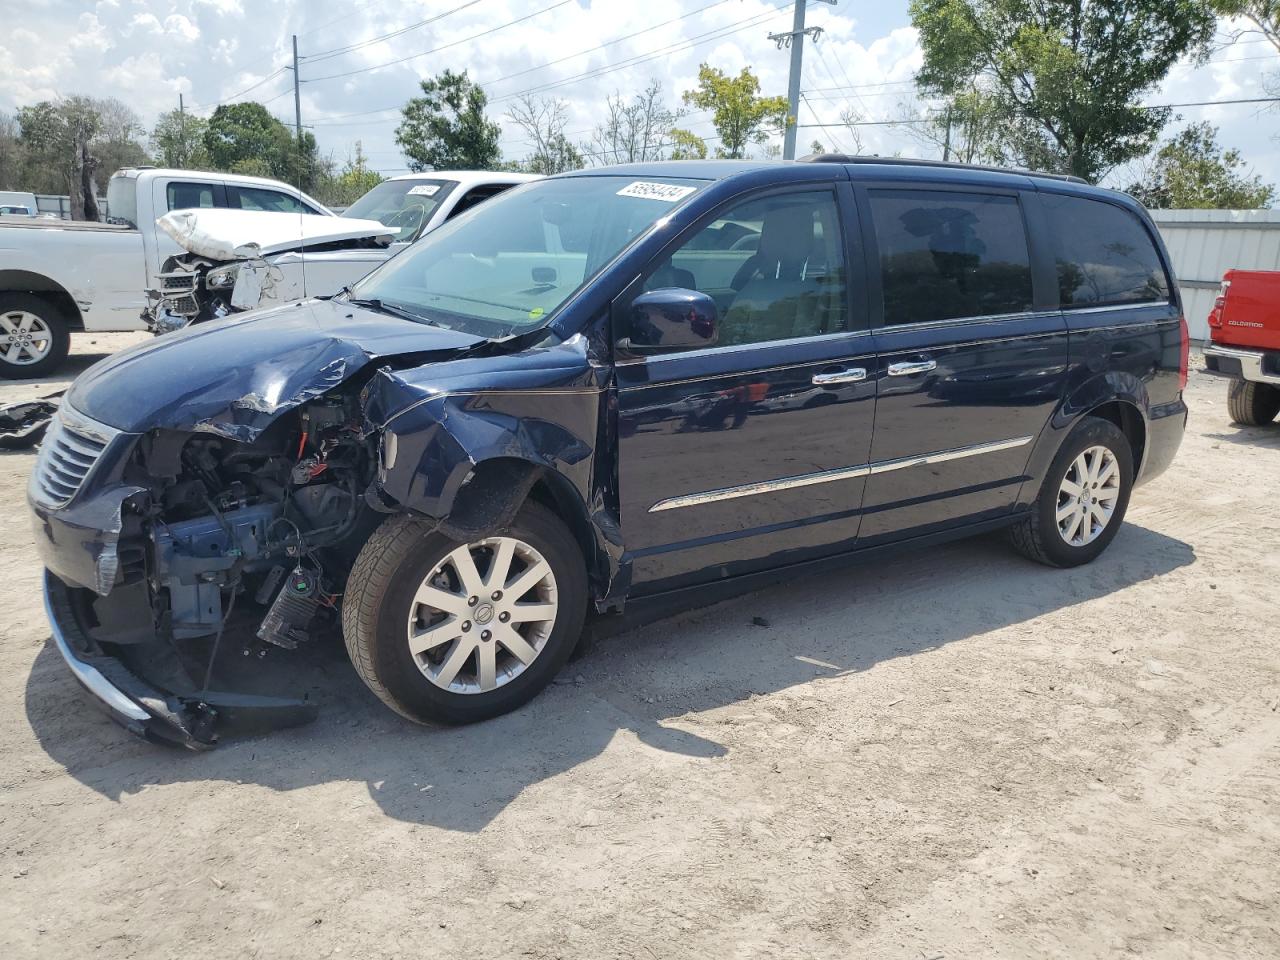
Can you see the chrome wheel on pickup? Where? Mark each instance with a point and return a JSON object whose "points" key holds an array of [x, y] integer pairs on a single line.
{"points": [[1083, 499], [458, 632], [33, 336]]}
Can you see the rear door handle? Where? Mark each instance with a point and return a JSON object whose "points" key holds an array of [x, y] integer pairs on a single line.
{"points": [[847, 375], [906, 369]]}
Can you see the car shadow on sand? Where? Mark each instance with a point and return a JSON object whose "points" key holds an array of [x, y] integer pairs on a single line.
{"points": [[461, 778]]}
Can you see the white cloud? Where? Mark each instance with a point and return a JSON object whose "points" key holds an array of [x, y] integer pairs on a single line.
{"points": [[146, 51], [177, 24]]}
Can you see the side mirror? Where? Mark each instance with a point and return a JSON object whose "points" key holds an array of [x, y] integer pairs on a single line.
{"points": [[672, 319]]}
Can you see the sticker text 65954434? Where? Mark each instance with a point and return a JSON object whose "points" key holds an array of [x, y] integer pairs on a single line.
{"points": [[666, 192]]}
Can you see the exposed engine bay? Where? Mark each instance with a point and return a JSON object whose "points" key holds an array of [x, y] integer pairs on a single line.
{"points": [[264, 530]]}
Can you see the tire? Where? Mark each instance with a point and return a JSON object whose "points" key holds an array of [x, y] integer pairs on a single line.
{"points": [[382, 606], [1039, 535], [22, 314], [1252, 404]]}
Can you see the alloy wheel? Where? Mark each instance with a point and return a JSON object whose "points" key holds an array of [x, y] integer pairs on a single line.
{"points": [[24, 338], [482, 615], [1088, 495]]}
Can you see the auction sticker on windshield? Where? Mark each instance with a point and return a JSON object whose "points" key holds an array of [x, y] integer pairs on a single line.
{"points": [[424, 190], [666, 192]]}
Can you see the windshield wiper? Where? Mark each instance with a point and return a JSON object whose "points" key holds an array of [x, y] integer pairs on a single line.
{"points": [[373, 303]]}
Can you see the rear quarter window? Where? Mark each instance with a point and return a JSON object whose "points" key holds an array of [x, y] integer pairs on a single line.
{"points": [[1103, 254]]}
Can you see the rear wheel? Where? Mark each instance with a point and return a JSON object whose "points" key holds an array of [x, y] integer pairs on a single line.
{"points": [[1083, 500], [34, 336], [1252, 404], [459, 632]]}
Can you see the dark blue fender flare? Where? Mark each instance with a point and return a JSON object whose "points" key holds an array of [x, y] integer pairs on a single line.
{"points": [[1116, 387]]}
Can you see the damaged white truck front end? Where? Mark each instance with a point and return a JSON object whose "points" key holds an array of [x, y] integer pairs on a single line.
{"points": [[239, 260]]}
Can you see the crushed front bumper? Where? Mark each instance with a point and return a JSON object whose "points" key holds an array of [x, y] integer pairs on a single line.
{"points": [[194, 721]]}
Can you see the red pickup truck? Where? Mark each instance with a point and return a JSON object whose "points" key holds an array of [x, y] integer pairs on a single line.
{"points": [[1244, 330]]}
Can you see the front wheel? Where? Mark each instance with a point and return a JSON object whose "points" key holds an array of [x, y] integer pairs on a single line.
{"points": [[459, 632], [34, 336], [1252, 404], [1083, 499]]}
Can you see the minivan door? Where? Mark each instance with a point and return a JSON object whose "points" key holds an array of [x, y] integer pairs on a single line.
{"points": [[751, 453], [971, 364]]}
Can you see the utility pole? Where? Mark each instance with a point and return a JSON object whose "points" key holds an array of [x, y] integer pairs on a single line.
{"points": [[795, 41], [297, 96]]}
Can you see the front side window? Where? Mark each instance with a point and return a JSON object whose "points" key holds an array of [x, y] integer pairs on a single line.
{"points": [[188, 196], [511, 262], [405, 205], [1103, 253], [774, 265], [947, 255], [273, 201]]}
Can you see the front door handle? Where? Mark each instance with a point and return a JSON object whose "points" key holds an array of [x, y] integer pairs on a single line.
{"points": [[906, 369], [847, 375]]}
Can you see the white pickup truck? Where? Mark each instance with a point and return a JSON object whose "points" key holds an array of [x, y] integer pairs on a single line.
{"points": [[237, 262], [59, 276]]}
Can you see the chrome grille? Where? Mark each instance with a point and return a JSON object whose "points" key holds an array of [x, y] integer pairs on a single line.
{"points": [[70, 451]]}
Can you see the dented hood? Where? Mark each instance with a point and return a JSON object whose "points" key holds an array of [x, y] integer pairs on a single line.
{"points": [[233, 377], [222, 234]]}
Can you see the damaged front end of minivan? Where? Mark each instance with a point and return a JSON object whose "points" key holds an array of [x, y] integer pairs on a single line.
{"points": [[221, 531]]}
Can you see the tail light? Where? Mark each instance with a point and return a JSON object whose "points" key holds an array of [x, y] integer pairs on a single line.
{"points": [[1184, 355], [1219, 304]]}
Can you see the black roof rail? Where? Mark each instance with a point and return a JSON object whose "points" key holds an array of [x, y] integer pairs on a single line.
{"points": [[946, 164]]}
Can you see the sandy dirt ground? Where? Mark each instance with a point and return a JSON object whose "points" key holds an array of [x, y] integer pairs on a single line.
{"points": [[956, 754]]}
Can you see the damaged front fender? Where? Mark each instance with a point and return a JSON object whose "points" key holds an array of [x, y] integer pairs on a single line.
{"points": [[463, 443]]}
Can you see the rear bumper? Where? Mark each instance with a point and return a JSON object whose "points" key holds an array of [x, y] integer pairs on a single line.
{"points": [[193, 721], [1240, 363], [1165, 426]]}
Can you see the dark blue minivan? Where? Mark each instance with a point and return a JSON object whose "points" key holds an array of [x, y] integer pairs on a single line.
{"points": [[592, 392]]}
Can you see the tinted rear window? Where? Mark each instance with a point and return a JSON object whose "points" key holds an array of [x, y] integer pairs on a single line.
{"points": [[945, 255], [1104, 254]]}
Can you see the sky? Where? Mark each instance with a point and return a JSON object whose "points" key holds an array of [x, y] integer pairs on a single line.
{"points": [[148, 52]]}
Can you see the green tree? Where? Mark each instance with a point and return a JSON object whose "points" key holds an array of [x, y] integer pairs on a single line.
{"points": [[741, 116], [1263, 14], [1192, 171], [1062, 78], [687, 146], [177, 141], [349, 184], [245, 138], [446, 128]]}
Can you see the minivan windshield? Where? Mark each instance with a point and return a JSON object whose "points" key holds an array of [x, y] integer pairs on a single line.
{"points": [[508, 265], [403, 204]]}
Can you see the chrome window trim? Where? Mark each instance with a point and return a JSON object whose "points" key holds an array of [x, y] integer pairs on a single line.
{"points": [[732, 348], [840, 473], [886, 327]]}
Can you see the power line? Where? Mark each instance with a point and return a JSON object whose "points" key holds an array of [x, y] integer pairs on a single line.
{"points": [[339, 51], [689, 43], [716, 34], [1145, 106], [414, 56], [610, 43]]}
